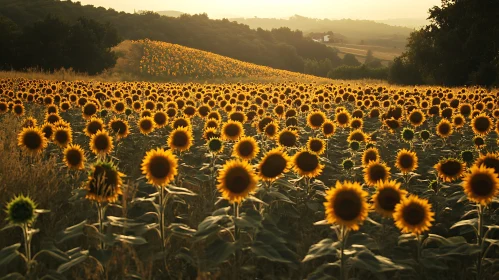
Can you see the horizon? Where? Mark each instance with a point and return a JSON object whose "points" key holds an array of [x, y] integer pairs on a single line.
{"points": [[281, 9]]}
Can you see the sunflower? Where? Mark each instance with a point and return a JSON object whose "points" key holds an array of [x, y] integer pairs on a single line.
{"points": [[210, 133], [48, 130], [356, 123], [74, 157], [29, 122], [89, 110], [246, 148], [18, 109], [481, 124], [343, 118], [104, 182], [63, 136], [32, 140], [479, 142], [236, 180], [287, 138], [159, 167], [181, 122], [450, 169], [346, 205], [407, 161], [392, 124], [307, 164], [371, 154], [490, 160], [444, 128], [271, 130], [316, 145], [101, 143], [160, 119], [273, 165], [146, 125], [413, 215], [458, 121], [215, 145], [120, 127], [388, 195], [416, 118], [481, 184], [328, 128], [180, 139], [232, 130], [358, 135], [21, 210], [376, 171], [316, 119], [94, 125], [407, 134]]}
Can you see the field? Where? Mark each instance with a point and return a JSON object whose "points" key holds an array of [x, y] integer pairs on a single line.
{"points": [[385, 54], [283, 180]]}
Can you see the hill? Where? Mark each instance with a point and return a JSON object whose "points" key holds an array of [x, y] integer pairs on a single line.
{"points": [[153, 60], [167, 13], [280, 48]]}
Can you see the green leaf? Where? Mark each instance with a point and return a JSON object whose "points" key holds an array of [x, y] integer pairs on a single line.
{"points": [[325, 247], [249, 219], [366, 260], [220, 251], [9, 253], [179, 191], [181, 230], [103, 256], [471, 222], [280, 197], [71, 232], [129, 239], [209, 226], [13, 276], [76, 259]]}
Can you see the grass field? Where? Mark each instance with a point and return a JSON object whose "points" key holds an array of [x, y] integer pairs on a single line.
{"points": [[360, 51]]}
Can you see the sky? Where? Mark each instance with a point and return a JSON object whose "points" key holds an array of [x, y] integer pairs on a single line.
{"points": [[332, 9]]}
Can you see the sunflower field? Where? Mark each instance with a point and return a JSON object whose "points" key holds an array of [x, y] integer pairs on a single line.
{"points": [[140, 180]]}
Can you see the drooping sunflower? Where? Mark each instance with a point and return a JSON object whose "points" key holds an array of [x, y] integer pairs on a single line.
{"points": [[376, 171], [120, 127], [307, 164], [287, 138], [74, 157], [180, 139], [32, 140], [328, 128], [407, 161], [215, 145], [413, 215], [104, 182], [246, 148], [63, 136], [316, 145], [346, 205], [146, 125], [371, 154], [444, 128], [101, 143], [393, 124], [232, 130], [273, 165], [450, 169], [481, 185], [94, 125], [479, 142], [236, 180], [316, 119], [159, 167], [388, 195], [481, 124]]}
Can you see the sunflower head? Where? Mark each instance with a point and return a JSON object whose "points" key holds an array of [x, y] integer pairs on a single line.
{"points": [[236, 180], [407, 161], [159, 167], [370, 154], [346, 205], [63, 136], [481, 185], [479, 141], [347, 164], [388, 195], [93, 125], [328, 128], [215, 145], [232, 130], [316, 145], [271, 130], [407, 134], [481, 124], [307, 164], [273, 165], [146, 125], [444, 128], [467, 156], [425, 135], [490, 160], [376, 171], [450, 169], [246, 148], [354, 145], [32, 140], [101, 143], [21, 210], [104, 182], [416, 118], [180, 139], [413, 215], [343, 118], [119, 127], [287, 138], [74, 157], [316, 119]]}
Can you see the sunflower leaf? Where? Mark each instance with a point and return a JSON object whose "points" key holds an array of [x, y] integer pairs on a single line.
{"points": [[325, 247], [9, 253]]}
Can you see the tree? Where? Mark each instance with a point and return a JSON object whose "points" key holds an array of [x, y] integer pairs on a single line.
{"points": [[350, 60]]}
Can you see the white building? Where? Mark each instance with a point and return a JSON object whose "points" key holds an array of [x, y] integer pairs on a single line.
{"points": [[326, 38]]}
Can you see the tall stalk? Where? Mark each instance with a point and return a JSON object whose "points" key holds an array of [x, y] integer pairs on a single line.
{"points": [[480, 242]]}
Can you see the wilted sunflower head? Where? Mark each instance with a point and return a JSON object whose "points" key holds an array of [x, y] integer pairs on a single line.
{"points": [[388, 195], [450, 169], [29, 122], [354, 145], [104, 182], [159, 167], [479, 142], [407, 161], [425, 135], [413, 215], [376, 171], [180, 139], [32, 140], [246, 148], [392, 124], [481, 185], [467, 156], [21, 210], [346, 205], [74, 157], [307, 164], [273, 165], [215, 145], [236, 180]]}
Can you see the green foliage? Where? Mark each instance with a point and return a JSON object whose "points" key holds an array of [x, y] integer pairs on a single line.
{"points": [[358, 72]]}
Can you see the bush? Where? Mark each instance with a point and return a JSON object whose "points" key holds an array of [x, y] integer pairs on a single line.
{"points": [[358, 72]]}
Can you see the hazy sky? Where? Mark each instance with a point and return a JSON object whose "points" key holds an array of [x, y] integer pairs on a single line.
{"points": [[335, 9]]}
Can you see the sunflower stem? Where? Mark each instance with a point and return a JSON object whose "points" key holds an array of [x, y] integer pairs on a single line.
{"points": [[101, 222], [344, 236], [27, 241], [236, 237], [480, 242]]}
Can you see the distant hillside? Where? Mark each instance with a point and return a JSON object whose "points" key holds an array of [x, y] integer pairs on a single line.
{"points": [[356, 31], [153, 60], [169, 13], [405, 22]]}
